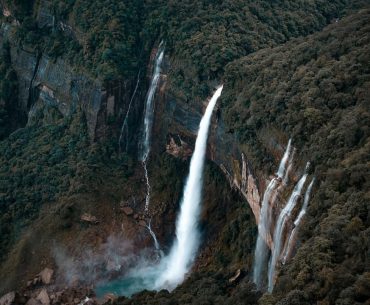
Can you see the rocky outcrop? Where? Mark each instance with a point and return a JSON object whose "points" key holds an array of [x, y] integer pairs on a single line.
{"points": [[179, 149], [46, 83], [8, 298]]}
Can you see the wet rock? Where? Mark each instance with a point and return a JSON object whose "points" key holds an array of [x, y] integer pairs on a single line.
{"points": [[7, 299], [88, 218], [46, 275], [128, 211], [43, 297]]}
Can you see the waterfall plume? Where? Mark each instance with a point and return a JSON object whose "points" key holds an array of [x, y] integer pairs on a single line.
{"points": [[183, 251]]}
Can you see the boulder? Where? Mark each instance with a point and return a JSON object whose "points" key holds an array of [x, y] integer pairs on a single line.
{"points": [[8, 298], [43, 297], [33, 301], [142, 223], [128, 211], [46, 275], [86, 217]]}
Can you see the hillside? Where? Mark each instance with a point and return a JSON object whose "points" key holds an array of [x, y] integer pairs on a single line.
{"points": [[74, 83]]}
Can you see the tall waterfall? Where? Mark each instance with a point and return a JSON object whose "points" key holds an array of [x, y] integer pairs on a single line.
{"points": [[185, 246], [292, 237], [279, 229], [144, 147], [170, 270], [262, 250]]}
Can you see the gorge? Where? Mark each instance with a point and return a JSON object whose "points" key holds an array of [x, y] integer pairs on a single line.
{"points": [[126, 177]]}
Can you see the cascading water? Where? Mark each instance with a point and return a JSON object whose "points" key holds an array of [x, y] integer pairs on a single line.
{"points": [[284, 160], [170, 271], [155, 240], [297, 222], [279, 228], [144, 147], [184, 249], [124, 124], [262, 250]]}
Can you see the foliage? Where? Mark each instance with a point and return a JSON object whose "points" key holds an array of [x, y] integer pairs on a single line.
{"points": [[316, 90], [40, 164]]}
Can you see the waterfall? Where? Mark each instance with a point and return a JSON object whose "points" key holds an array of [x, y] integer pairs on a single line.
{"points": [[279, 228], [185, 246], [282, 166], [124, 124], [297, 222], [155, 240], [144, 147], [261, 251], [170, 270]]}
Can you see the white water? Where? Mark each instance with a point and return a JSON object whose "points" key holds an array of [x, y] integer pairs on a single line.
{"points": [[298, 221], [186, 244], [148, 188], [279, 229], [155, 240], [282, 166], [171, 270], [144, 148], [262, 250]]}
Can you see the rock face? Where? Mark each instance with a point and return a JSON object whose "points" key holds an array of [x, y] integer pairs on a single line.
{"points": [[45, 83]]}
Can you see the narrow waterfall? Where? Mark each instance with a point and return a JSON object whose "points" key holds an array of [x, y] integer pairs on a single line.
{"points": [[155, 240], [279, 229], [262, 250], [297, 222], [144, 145], [284, 160], [125, 124], [183, 251]]}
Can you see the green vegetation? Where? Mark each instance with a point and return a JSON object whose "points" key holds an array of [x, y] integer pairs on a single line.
{"points": [[316, 90], [41, 164]]}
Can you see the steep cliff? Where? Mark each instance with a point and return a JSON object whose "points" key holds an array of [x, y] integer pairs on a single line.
{"points": [[71, 176]]}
